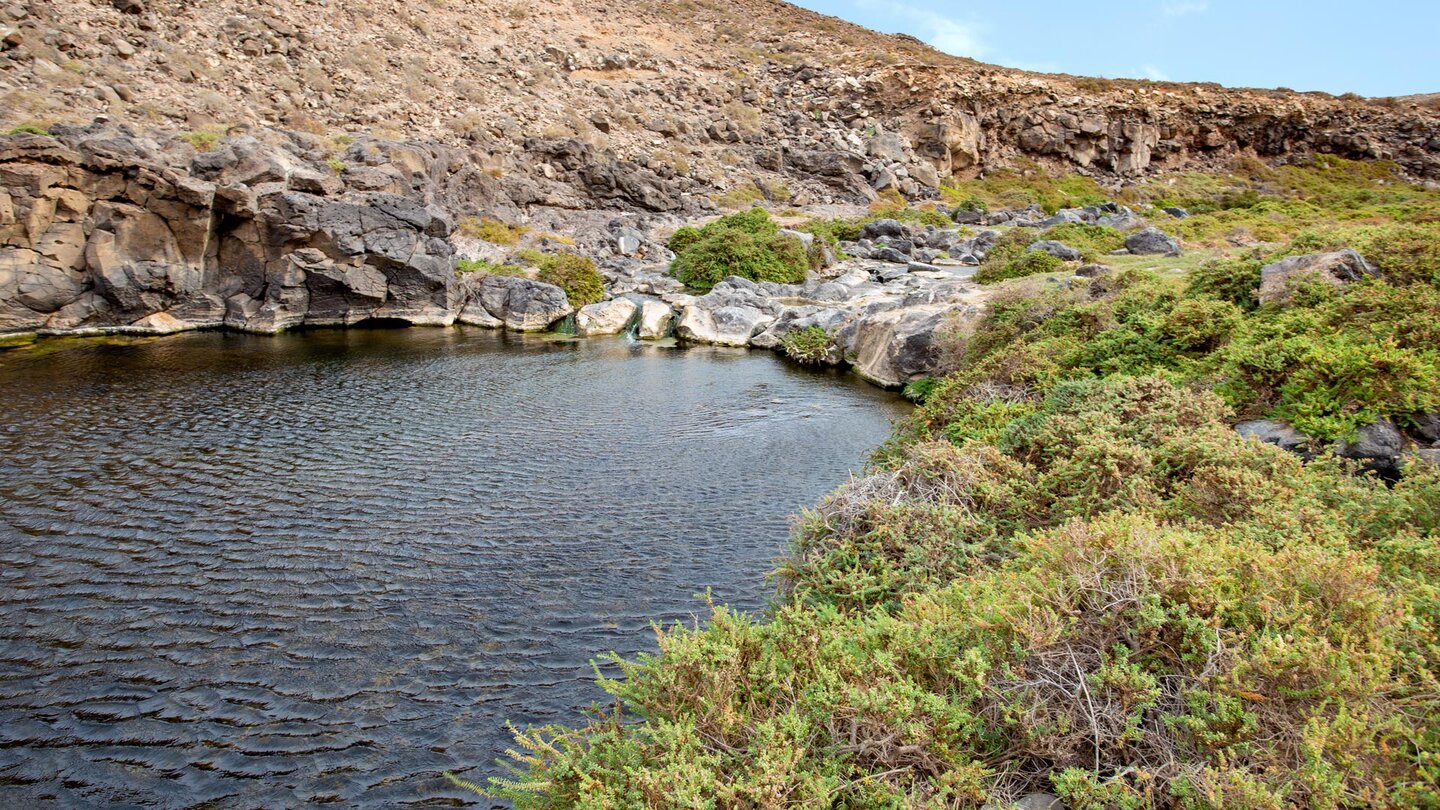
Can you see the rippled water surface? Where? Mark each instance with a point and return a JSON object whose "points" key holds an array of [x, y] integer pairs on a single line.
{"points": [[249, 571]]}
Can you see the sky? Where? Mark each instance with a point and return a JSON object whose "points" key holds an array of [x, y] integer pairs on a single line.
{"points": [[1376, 48]]}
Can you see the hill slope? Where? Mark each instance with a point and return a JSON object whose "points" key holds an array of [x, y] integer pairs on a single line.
{"points": [[707, 96]]}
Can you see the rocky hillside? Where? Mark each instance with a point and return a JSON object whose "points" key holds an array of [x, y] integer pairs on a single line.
{"points": [[657, 106]]}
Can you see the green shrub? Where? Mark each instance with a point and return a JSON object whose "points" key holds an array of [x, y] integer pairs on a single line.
{"points": [[29, 129], [574, 274], [1201, 324], [1010, 246], [1405, 253], [746, 244], [202, 140], [1091, 240], [530, 257], [810, 346], [491, 230], [833, 231], [488, 268], [970, 203], [1233, 280], [683, 239], [1029, 263], [909, 213]]}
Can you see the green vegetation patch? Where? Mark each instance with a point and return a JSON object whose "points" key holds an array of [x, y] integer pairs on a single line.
{"points": [[809, 346], [488, 268], [491, 230], [746, 244], [575, 274], [1093, 241]]}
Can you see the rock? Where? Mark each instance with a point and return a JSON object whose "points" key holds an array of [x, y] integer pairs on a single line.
{"points": [[1031, 801], [1152, 242], [1429, 456], [1271, 431], [889, 254], [893, 347], [128, 6], [1378, 447], [1176, 211], [475, 314], [1427, 428], [161, 323], [628, 242], [830, 292], [656, 319], [522, 304], [605, 318], [1123, 220], [1279, 280], [1093, 271], [726, 326], [1059, 250], [820, 253], [882, 227]]}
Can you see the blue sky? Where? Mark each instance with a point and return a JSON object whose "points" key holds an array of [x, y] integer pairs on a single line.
{"points": [[1377, 48]]}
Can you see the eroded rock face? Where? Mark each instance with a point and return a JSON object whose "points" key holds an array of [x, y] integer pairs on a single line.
{"points": [[1279, 280], [605, 318], [724, 326], [101, 233], [520, 304], [893, 347]]}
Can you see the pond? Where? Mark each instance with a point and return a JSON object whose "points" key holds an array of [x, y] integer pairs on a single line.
{"points": [[330, 566]]}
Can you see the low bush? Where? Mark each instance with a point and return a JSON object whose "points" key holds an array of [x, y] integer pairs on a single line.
{"points": [[574, 274], [1029, 263], [202, 140], [1091, 240], [1233, 280], [809, 346], [747, 244], [491, 230], [488, 268]]}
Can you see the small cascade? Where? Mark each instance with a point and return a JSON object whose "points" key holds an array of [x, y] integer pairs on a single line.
{"points": [[567, 326]]}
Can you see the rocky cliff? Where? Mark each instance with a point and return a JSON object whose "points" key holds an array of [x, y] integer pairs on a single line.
{"points": [[650, 105]]}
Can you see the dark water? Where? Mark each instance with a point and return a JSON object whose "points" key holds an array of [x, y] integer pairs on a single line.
{"points": [[271, 572]]}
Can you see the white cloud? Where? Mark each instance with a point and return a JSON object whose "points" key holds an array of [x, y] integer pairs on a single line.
{"points": [[942, 33], [1180, 8], [1154, 74], [953, 37]]}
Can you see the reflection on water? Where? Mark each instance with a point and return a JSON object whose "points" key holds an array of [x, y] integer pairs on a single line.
{"points": [[327, 567]]}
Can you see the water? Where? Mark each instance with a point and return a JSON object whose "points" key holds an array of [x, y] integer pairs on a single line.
{"points": [[277, 571]]}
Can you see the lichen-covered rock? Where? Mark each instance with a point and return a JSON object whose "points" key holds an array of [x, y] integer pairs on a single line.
{"points": [[1279, 280]]}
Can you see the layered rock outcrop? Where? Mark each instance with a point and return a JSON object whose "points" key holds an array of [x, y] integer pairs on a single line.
{"points": [[104, 230]]}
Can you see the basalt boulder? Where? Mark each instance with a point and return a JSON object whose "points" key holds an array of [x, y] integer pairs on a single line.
{"points": [[1279, 280]]}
